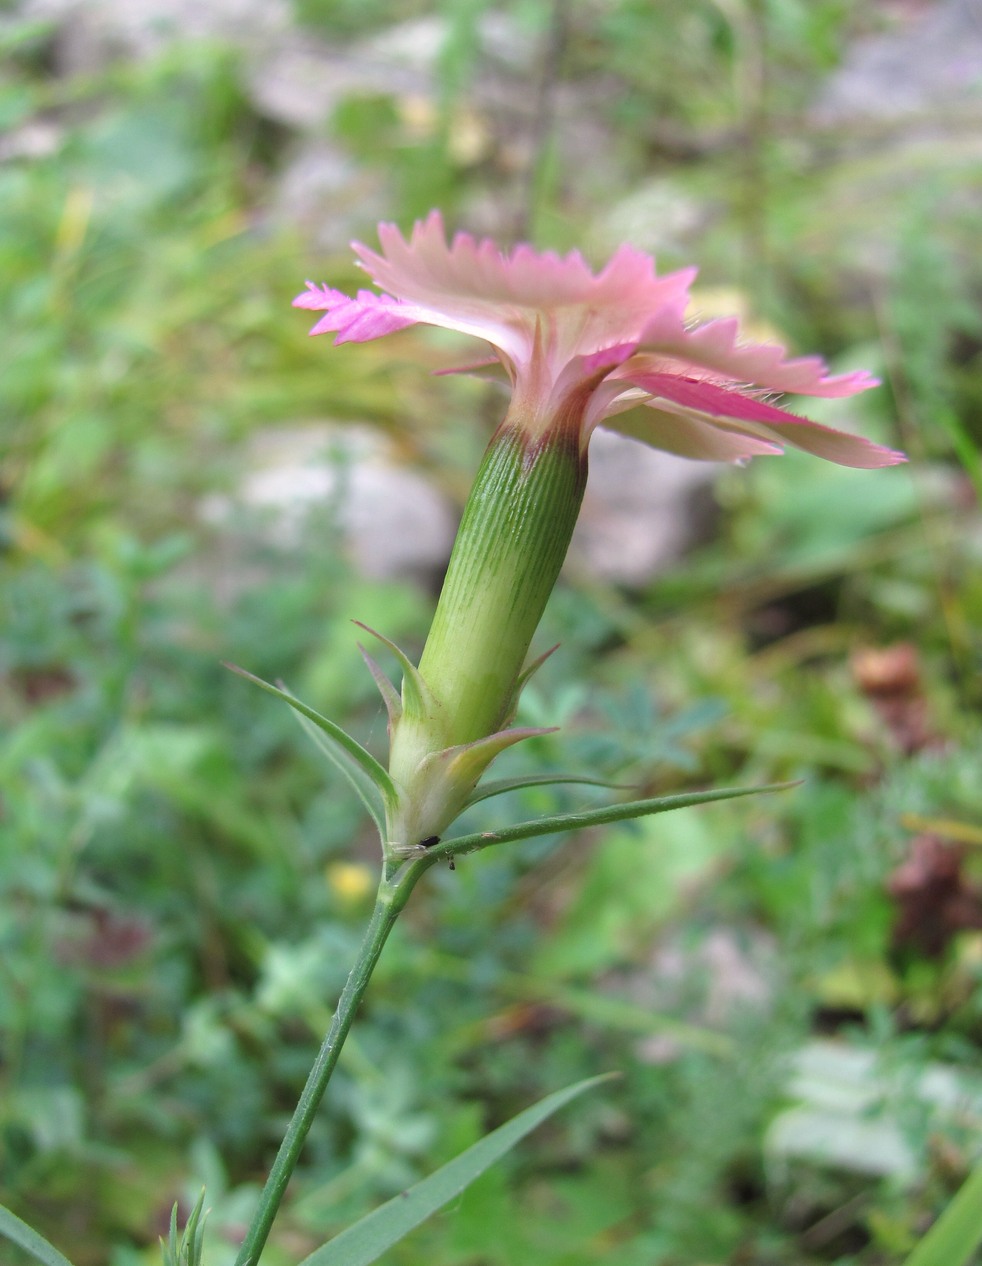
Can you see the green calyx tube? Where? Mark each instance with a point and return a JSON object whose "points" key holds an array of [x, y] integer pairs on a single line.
{"points": [[509, 550]]}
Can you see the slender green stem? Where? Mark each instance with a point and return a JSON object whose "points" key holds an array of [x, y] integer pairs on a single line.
{"points": [[392, 897], [397, 883]]}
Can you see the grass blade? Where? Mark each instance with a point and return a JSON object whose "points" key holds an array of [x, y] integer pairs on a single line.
{"points": [[958, 1232], [370, 780], [369, 1238], [366, 790], [25, 1237]]}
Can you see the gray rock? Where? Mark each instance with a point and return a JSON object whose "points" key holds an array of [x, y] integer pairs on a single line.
{"points": [[37, 139], [93, 32], [927, 65], [659, 216], [393, 523], [492, 131], [642, 510], [300, 82], [328, 197]]}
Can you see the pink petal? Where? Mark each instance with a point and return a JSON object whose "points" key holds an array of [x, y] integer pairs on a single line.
{"points": [[736, 411], [482, 290], [715, 346], [428, 271], [687, 435], [367, 316], [614, 336]]}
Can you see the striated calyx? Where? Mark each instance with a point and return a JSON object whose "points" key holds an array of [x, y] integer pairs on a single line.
{"points": [[508, 554]]}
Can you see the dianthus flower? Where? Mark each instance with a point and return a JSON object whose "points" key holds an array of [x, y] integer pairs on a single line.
{"points": [[580, 350], [617, 343]]}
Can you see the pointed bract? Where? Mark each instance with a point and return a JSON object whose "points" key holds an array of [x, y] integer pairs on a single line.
{"points": [[390, 696], [417, 698], [440, 787], [468, 762]]}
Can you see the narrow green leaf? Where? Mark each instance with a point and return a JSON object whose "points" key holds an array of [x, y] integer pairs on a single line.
{"points": [[25, 1237], [357, 755], [369, 1238], [172, 1249], [966, 448], [498, 787], [455, 846], [612, 1013], [364, 787], [186, 1250], [958, 1232], [194, 1232]]}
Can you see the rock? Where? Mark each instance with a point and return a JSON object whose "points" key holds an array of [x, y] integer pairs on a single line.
{"points": [[492, 132], [642, 510], [929, 64], [36, 139], [392, 522], [91, 33], [300, 82], [659, 216], [851, 1109], [327, 196]]}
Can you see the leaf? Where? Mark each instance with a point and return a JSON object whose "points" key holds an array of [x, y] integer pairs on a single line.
{"points": [[560, 822], [187, 1250], [359, 766], [500, 785], [365, 789], [29, 1240], [369, 1238], [194, 1233], [527, 673], [958, 1232]]}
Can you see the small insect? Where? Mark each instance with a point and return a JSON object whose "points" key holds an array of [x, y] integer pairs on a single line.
{"points": [[429, 841]]}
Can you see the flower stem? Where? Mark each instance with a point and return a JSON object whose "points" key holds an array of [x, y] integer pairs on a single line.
{"points": [[392, 897]]}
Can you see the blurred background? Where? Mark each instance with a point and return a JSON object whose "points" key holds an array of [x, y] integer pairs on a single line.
{"points": [[790, 986]]}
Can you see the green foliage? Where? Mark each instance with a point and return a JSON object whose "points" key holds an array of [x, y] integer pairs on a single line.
{"points": [[186, 1250], [349, 17], [183, 882]]}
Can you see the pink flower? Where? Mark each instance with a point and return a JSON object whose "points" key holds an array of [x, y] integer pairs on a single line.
{"points": [[612, 348]]}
